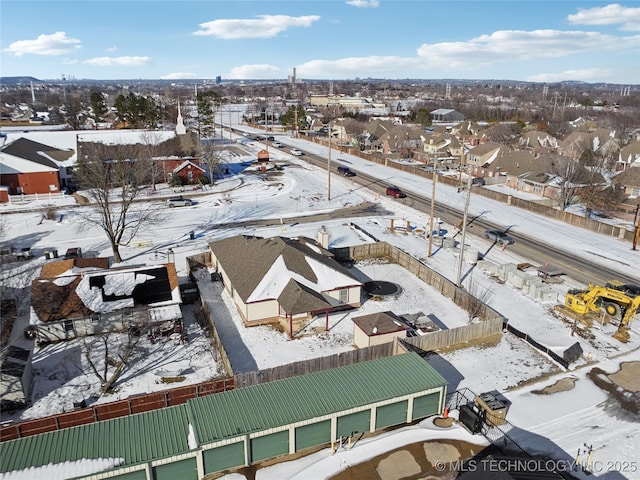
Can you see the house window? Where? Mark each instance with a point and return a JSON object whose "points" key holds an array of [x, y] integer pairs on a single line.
{"points": [[344, 295], [68, 325]]}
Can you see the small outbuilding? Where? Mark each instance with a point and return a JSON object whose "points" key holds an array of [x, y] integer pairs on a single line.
{"points": [[378, 328]]}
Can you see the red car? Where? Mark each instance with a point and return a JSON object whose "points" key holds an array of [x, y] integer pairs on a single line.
{"points": [[395, 192]]}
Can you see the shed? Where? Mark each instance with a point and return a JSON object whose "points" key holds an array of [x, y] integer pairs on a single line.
{"points": [[263, 159], [378, 328]]}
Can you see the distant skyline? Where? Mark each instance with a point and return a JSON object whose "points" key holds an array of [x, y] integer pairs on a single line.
{"points": [[530, 40]]}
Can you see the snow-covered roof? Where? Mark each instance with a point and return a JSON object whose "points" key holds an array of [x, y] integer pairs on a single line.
{"points": [[10, 164], [74, 293]]}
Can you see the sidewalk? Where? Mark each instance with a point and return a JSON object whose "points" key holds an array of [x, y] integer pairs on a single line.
{"points": [[235, 350]]}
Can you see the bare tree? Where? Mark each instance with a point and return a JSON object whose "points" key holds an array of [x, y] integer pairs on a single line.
{"points": [[479, 299], [113, 178], [211, 156], [571, 178], [151, 145], [105, 363]]}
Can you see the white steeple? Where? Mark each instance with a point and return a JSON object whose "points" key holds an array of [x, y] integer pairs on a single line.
{"points": [[180, 128]]}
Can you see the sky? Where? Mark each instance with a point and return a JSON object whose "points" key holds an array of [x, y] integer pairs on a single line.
{"points": [[538, 41], [561, 422]]}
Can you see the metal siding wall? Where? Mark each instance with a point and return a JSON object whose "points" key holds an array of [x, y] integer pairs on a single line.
{"points": [[426, 405], [137, 475], [269, 446], [393, 414], [222, 458], [312, 435], [355, 422], [182, 469]]}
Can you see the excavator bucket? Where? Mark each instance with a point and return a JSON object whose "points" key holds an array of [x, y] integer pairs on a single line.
{"points": [[622, 335]]}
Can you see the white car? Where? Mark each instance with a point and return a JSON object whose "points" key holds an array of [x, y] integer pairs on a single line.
{"points": [[179, 202], [277, 144], [296, 152]]}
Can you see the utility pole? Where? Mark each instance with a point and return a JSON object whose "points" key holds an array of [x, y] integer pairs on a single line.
{"points": [[636, 236], [434, 179], [464, 231], [329, 168], [461, 166]]}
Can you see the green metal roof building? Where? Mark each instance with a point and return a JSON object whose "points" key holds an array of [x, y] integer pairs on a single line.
{"points": [[243, 426]]}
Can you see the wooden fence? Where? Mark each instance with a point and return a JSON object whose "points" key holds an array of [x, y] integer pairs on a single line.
{"points": [[446, 287], [121, 408], [315, 365], [456, 336], [531, 206]]}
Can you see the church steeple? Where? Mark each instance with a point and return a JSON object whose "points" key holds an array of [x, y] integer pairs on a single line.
{"points": [[180, 128]]}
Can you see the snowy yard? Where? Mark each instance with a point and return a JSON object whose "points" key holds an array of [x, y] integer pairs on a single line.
{"points": [[568, 419]]}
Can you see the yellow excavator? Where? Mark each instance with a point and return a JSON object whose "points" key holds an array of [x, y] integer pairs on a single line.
{"points": [[614, 298]]}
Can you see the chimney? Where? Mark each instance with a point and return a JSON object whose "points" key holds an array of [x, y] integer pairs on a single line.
{"points": [[323, 237]]}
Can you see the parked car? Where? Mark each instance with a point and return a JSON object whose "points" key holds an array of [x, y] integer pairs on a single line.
{"points": [[179, 202], [278, 144], [498, 237], [478, 181], [296, 152], [395, 192], [346, 171]]}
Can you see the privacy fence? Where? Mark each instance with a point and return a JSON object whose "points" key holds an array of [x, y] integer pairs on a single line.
{"points": [[531, 206], [493, 322], [121, 408]]}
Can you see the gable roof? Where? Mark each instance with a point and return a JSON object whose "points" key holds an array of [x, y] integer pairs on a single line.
{"points": [[380, 323], [297, 298], [628, 178], [185, 164], [261, 268], [36, 152], [11, 164]]}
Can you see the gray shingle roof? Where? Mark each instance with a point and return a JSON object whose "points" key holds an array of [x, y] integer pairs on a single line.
{"points": [[34, 152], [246, 260]]}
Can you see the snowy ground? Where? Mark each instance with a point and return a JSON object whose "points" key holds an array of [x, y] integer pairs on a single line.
{"points": [[568, 419]]}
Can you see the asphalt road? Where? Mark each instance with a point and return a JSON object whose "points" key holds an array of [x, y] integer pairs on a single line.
{"points": [[537, 252]]}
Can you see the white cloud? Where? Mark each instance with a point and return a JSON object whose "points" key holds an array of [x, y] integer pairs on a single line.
{"points": [[55, 44], [355, 66], [364, 3], [614, 14], [178, 76], [254, 72], [584, 75], [263, 26], [482, 51], [70, 61], [518, 45], [112, 49], [118, 61]]}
